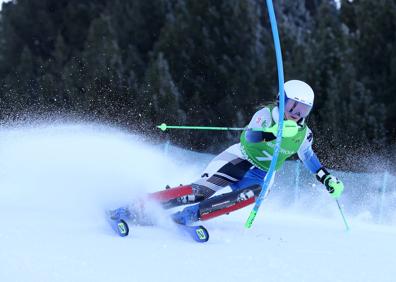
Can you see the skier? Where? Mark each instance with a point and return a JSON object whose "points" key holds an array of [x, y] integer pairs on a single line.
{"points": [[244, 165]]}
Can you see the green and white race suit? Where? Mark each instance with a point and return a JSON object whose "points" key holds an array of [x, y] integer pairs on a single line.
{"points": [[260, 154]]}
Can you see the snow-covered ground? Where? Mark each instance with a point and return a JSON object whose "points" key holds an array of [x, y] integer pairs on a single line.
{"points": [[56, 181]]}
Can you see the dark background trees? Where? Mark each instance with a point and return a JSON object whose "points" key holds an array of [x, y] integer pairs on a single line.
{"points": [[139, 63]]}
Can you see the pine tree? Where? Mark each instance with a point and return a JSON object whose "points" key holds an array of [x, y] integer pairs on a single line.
{"points": [[102, 73], [346, 116], [372, 26], [216, 55], [160, 92], [137, 26], [23, 80]]}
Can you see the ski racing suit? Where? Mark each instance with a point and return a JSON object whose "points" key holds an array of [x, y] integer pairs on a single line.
{"points": [[243, 167]]}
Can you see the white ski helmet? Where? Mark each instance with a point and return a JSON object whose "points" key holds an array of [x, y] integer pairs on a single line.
{"points": [[299, 98]]}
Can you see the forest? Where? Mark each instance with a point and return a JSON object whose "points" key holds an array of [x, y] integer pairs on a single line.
{"points": [[135, 64]]}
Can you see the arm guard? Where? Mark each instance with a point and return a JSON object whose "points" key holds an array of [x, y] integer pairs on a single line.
{"points": [[321, 174], [259, 136]]}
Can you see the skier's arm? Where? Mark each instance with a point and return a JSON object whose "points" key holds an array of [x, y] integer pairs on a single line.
{"points": [[262, 118], [307, 155], [334, 186]]}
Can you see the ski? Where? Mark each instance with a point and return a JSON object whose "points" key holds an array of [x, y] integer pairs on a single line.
{"points": [[170, 193], [118, 223], [121, 227], [198, 233], [119, 218]]}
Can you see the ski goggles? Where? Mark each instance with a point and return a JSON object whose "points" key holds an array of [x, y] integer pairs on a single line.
{"points": [[297, 109]]}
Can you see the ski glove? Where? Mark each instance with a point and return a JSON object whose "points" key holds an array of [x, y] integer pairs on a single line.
{"points": [[334, 186], [268, 134], [290, 128]]}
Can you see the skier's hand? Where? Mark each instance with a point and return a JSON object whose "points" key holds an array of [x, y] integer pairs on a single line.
{"points": [[290, 128], [333, 185]]}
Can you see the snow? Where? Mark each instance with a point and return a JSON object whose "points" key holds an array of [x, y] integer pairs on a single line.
{"points": [[57, 180]]}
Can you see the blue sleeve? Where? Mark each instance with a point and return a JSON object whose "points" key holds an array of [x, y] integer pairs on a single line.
{"points": [[253, 136], [310, 160]]}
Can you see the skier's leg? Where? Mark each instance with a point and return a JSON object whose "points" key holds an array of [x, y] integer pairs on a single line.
{"points": [[217, 205], [244, 193], [228, 202], [227, 168], [254, 176]]}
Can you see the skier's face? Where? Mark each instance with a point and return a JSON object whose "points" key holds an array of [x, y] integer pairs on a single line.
{"points": [[295, 110], [291, 116]]}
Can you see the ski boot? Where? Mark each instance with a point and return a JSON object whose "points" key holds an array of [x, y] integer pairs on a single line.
{"points": [[117, 220], [187, 216]]}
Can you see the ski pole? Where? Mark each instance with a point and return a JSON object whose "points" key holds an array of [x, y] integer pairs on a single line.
{"points": [[164, 127], [290, 128], [342, 214]]}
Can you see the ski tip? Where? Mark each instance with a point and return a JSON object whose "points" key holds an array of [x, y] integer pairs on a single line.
{"points": [[122, 228], [197, 233], [202, 235]]}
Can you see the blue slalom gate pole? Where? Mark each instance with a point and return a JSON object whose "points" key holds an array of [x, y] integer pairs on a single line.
{"points": [[166, 147], [383, 190], [279, 63], [297, 182]]}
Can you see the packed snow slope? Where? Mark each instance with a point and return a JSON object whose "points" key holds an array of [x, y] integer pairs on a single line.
{"points": [[56, 181]]}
